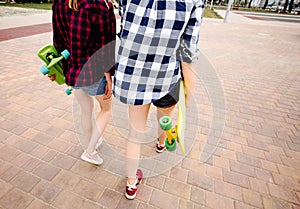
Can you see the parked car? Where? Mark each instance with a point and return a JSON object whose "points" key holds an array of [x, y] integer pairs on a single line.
{"points": [[296, 11]]}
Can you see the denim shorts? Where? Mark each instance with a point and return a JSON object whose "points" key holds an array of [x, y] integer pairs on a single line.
{"points": [[95, 89], [169, 99]]}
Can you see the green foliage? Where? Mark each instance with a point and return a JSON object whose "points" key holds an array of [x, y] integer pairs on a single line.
{"points": [[30, 5], [210, 13]]}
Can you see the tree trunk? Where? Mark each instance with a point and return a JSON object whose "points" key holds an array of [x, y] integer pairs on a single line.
{"points": [[285, 5], [249, 5], [291, 6], [266, 4]]}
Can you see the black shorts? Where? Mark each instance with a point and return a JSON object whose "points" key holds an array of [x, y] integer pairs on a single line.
{"points": [[169, 99]]}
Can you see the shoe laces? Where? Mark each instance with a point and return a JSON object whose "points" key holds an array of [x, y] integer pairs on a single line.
{"points": [[131, 187]]}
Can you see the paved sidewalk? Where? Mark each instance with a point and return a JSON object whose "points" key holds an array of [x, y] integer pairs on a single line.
{"points": [[252, 64]]}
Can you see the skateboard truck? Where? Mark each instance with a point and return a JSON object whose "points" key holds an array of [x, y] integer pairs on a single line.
{"points": [[172, 133]]}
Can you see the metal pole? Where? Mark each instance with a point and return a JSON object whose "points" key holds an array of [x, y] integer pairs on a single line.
{"points": [[228, 9]]}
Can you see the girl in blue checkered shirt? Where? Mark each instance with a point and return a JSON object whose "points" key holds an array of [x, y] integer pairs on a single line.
{"points": [[159, 41]]}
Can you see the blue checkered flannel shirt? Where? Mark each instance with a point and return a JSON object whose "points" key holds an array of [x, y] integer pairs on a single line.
{"points": [[155, 36]]}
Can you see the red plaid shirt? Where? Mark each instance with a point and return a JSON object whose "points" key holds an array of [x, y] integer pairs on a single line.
{"points": [[89, 35]]}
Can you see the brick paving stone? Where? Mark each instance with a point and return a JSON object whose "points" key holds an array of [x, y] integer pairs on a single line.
{"points": [[110, 198], [26, 145], [258, 186], [75, 151], [38, 204], [21, 159], [228, 190], [30, 133], [10, 173], [12, 140], [19, 130], [292, 153], [271, 203], [283, 193], [241, 205], [198, 195], [106, 178], [236, 179], [289, 171], [221, 162], [85, 169], [273, 157], [8, 125], [39, 151], [270, 166], [162, 199], [59, 145], [63, 161], [8, 153], [67, 199], [179, 174], [286, 181], [144, 193], [51, 153], [4, 188], [45, 191], [25, 181], [124, 203], [249, 160], [42, 138], [46, 171], [177, 188], [4, 135], [89, 189], [254, 152], [145, 206], [264, 175], [184, 204], [214, 172], [216, 201], [252, 198], [15, 199], [66, 180], [204, 182], [242, 169], [31, 164], [156, 181], [91, 205]]}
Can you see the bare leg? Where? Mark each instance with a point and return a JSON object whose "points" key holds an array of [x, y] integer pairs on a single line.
{"points": [[137, 117], [86, 105], [101, 122], [163, 112]]}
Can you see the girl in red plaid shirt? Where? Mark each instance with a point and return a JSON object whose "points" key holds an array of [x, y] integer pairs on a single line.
{"points": [[87, 29]]}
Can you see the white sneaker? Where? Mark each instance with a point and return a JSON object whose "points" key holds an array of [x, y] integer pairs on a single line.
{"points": [[93, 158]]}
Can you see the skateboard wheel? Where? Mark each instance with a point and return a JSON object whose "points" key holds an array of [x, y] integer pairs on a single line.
{"points": [[66, 54], [44, 70], [165, 123], [170, 147], [68, 91]]}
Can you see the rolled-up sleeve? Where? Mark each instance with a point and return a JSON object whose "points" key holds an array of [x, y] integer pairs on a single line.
{"points": [[188, 50]]}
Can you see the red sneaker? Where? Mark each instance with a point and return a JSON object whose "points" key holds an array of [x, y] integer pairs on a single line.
{"points": [[130, 192], [160, 148]]}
